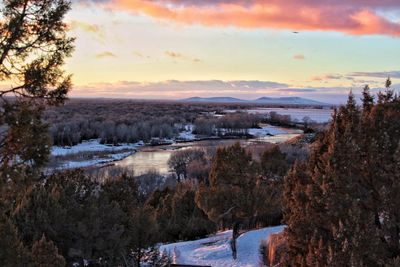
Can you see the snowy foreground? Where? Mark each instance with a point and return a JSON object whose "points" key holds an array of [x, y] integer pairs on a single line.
{"points": [[215, 250]]}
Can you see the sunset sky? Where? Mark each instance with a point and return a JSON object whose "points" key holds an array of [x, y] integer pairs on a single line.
{"points": [[242, 48]]}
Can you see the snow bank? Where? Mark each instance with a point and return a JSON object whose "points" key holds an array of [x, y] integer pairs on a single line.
{"points": [[215, 250], [318, 115], [267, 130], [92, 162], [91, 146], [187, 133]]}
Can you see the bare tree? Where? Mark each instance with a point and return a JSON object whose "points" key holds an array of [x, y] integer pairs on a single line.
{"points": [[180, 160]]}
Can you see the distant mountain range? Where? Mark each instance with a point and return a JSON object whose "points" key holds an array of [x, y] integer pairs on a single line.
{"points": [[261, 100]]}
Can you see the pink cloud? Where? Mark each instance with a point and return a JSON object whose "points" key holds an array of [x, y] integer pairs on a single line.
{"points": [[357, 17], [299, 57]]}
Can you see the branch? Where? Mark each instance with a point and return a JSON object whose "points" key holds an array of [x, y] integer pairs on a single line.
{"points": [[15, 34]]}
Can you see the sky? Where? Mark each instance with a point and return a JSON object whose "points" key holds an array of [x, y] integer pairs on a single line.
{"points": [[173, 49]]}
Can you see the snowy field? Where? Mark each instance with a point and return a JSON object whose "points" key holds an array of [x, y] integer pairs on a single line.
{"points": [[91, 146], [187, 133], [107, 154], [72, 164], [271, 130], [92, 153], [318, 115], [215, 250]]}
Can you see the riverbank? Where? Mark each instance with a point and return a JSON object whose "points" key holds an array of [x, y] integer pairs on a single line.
{"points": [[93, 154]]}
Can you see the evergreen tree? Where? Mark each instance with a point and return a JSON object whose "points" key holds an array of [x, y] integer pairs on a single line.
{"points": [[33, 48], [32, 53], [273, 164], [340, 208], [143, 232], [296, 215], [229, 197], [177, 214], [12, 250], [45, 254]]}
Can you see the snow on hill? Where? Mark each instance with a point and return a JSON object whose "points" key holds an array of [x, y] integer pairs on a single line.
{"points": [[216, 252], [288, 101], [213, 99]]}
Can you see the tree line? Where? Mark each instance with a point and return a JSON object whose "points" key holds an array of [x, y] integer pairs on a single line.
{"points": [[114, 121], [341, 207]]}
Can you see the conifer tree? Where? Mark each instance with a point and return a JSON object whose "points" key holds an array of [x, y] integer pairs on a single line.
{"points": [[45, 254], [12, 250], [32, 54], [347, 214], [33, 48], [232, 180]]}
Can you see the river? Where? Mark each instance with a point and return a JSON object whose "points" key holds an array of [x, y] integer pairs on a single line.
{"points": [[156, 158]]}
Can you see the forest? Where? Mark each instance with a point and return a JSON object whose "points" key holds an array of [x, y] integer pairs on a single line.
{"points": [[130, 121]]}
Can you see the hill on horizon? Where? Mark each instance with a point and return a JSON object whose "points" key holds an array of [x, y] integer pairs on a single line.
{"points": [[261, 100]]}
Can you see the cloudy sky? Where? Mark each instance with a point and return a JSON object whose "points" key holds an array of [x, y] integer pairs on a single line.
{"points": [[319, 49]]}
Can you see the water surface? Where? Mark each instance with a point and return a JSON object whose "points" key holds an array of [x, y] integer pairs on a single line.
{"points": [[156, 158]]}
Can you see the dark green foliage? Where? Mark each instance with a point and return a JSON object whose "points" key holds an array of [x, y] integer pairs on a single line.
{"points": [[341, 208], [143, 231], [32, 53], [33, 48], [177, 214], [45, 254], [243, 190], [12, 251], [273, 164], [232, 179], [102, 223]]}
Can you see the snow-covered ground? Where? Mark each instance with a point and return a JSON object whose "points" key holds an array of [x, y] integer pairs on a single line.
{"points": [[187, 134], [91, 153], [106, 154], [270, 130], [73, 164], [296, 114], [216, 252], [91, 146]]}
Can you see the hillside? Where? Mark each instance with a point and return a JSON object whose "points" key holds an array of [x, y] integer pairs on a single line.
{"points": [[261, 100]]}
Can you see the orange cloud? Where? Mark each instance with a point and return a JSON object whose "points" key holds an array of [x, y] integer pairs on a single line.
{"points": [[327, 77], [299, 57], [94, 29], [85, 26], [172, 54], [179, 56], [140, 55], [106, 54], [351, 17]]}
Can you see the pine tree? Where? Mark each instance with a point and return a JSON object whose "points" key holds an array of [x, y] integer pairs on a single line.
{"points": [[12, 251], [32, 53], [348, 215], [299, 227], [143, 231], [273, 164], [228, 198], [45, 254]]}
